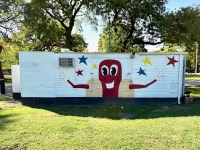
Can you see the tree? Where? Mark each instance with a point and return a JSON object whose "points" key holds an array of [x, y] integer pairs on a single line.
{"points": [[61, 14], [140, 21], [182, 26], [78, 43], [115, 42], [9, 55], [183, 29], [11, 12], [10, 16], [52, 39]]}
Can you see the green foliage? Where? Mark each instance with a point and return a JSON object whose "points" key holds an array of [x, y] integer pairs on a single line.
{"points": [[11, 12], [172, 48], [135, 23], [51, 39], [8, 78], [9, 54], [54, 20], [78, 43], [190, 77], [182, 28], [116, 45]]}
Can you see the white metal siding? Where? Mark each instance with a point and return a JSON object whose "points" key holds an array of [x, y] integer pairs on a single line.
{"points": [[40, 73], [15, 79], [167, 87], [37, 74], [64, 89]]}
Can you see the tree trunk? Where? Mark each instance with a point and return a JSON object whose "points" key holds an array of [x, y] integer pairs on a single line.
{"points": [[68, 39], [1, 72]]}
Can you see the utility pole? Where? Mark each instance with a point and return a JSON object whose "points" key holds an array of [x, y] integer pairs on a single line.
{"points": [[196, 64], [109, 34]]}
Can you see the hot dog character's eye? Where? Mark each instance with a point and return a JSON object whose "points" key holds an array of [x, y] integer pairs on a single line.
{"points": [[113, 70], [104, 70]]}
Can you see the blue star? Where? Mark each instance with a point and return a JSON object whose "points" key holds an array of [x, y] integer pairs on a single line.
{"points": [[83, 60], [141, 72]]}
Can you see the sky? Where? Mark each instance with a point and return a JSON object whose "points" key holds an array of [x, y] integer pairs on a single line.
{"points": [[92, 37]]}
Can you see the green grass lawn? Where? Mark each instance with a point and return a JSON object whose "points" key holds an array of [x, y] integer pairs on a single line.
{"points": [[192, 77], [98, 127], [162, 127], [8, 78]]}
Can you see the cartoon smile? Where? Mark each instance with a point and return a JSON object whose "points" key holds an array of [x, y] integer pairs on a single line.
{"points": [[110, 85]]}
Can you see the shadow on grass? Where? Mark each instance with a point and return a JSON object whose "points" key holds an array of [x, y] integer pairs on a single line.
{"points": [[5, 120], [139, 112]]}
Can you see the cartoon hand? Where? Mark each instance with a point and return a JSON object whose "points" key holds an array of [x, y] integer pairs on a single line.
{"points": [[159, 75], [63, 76]]}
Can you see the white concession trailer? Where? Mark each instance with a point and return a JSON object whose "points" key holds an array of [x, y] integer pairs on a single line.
{"points": [[99, 78]]}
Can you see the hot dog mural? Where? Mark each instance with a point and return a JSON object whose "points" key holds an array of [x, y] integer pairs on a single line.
{"points": [[110, 79]]}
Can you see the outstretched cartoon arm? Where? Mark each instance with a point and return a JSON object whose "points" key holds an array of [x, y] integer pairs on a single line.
{"points": [[139, 86], [159, 76], [83, 86], [65, 78]]}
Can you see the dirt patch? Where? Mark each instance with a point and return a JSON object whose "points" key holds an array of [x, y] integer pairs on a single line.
{"points": [[12, 101], [125, 115], [15, 147]]}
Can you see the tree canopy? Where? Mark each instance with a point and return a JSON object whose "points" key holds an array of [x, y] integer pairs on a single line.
{"points": [[11, 12], [135, 22], [115, 42], [182, 28], [51, 40], [57, 16], [48, 24]]}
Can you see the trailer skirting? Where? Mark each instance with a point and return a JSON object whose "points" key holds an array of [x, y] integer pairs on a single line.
{"points": [[97, 101]]}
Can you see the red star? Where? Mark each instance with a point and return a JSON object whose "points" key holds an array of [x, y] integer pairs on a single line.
{"points": [[79, 72], [171, 61]]}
